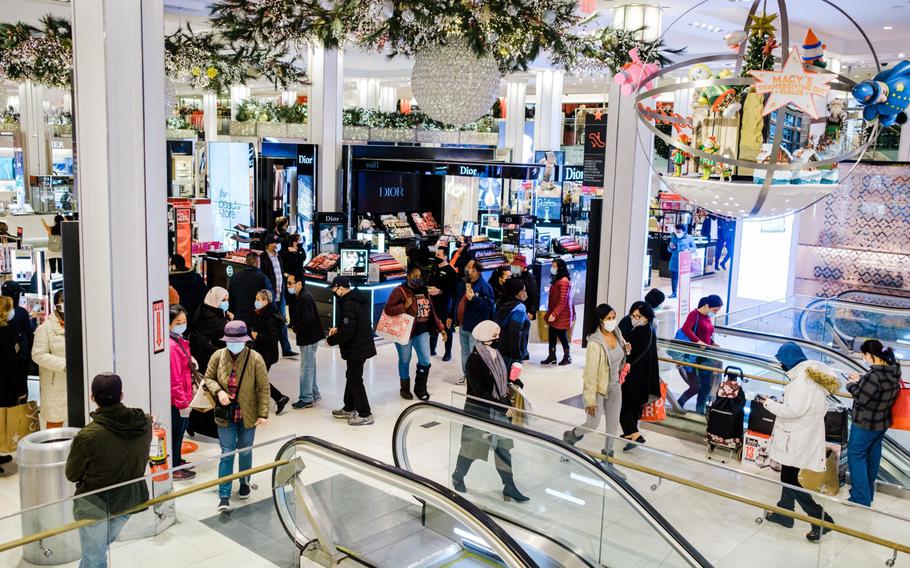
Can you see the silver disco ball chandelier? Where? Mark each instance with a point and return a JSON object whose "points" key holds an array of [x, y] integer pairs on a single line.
{"points": [[451, 84]]}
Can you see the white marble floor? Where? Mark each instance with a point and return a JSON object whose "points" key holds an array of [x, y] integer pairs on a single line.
{"points": [[725, 532]]}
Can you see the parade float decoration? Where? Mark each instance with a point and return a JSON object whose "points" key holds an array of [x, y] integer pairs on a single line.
{"points": [[769, 123]]}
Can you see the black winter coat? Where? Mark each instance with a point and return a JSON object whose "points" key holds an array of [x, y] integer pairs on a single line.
{"points": [[642, 384], [243, 287], [265, 264], [354, 333], [267, 324], [25, 337], [191, 288], [13, 383], [513, 339], [533, 290], [305, 320], [292, 262], [208, 329]]}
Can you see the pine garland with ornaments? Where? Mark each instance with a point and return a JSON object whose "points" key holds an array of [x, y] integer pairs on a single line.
{"points": [[606, 50], [41, 55]]}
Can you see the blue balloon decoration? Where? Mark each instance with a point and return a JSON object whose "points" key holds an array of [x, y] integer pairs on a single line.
{"points": [[886, 95]]}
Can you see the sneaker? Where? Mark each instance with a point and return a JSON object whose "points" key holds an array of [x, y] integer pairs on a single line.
{"points": [[361, 420], [182, 474], [290, 354], [301, 404], [461, 381], [447, 357], [244, 492], [224, 505], [343, 414], [282, 402]]}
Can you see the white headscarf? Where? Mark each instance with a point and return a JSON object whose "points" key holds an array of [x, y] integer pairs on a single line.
{"points": [[215, 296]]}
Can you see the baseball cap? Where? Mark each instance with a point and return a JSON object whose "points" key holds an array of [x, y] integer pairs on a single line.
{"points": [[520, 260], [107, 388], [340, 282]]}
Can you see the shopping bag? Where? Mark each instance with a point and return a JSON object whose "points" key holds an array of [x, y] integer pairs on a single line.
{"points": [[836, 426], [900, 412], [16, 422], [521, 406], [657, 410], [397, 328], [202, 400], [824, 482]]}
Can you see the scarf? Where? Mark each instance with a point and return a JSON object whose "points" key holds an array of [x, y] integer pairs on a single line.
{"points": [[493, 359]]}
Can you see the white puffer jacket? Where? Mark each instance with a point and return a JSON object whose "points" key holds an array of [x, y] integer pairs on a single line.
{"points": [[49, 353]]}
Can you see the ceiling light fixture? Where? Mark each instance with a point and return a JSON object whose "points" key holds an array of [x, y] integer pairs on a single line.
{"points": [[888, 28]]}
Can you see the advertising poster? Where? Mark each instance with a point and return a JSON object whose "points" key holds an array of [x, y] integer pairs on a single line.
{"points": [[595, 149], [306, 197], [231, 178]]}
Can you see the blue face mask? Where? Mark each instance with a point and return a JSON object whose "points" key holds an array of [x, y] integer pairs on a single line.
{"points": [[179, 329], [259, 304], [225, 305], [292, 291], [236, 348]]}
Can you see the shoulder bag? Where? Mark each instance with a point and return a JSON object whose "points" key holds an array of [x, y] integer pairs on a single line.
{"points": [[226, 411]]}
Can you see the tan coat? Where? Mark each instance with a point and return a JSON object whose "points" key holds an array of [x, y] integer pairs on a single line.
{"points": [[254, 386], [598, 374], [49, 353]]}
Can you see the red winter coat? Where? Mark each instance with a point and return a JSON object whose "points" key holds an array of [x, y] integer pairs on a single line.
{"points": [[559, 304], [181, 377]]}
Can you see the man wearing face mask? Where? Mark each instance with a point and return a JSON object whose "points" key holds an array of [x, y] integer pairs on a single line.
{"points": [[274, 271], [354, 336], [308, 331], [520, 270], [679, 242], [512, 318], [442, 287], [49, 353], [472, 304], [243, 287]]}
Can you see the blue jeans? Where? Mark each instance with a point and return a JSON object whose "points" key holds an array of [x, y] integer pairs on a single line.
{"points": [[281, 306], [466, 339], [309, 388], [864, 453], [96, 538], [674, 281], [232, 437], [705, 380], [178, 429], [421, 344]]}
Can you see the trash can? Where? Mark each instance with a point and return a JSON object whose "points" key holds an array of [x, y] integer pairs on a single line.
{"points": [[42, 461]]}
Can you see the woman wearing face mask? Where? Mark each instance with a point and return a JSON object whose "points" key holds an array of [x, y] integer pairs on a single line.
{"points": [[265, 328], [49, 353], [181, 387], [642, 384], [13, 384], [487, 381], [497, 281], [680, 241], [605, 357], [208, 325], [560, 311], [413, 298], [699, 329]]}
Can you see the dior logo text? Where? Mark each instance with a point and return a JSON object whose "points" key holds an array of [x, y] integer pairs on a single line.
{"points": [[467, 171], [305, 160], [393, 191]]}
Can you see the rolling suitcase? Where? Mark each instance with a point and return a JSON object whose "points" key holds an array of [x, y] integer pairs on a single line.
{"points": [[724, 433]]}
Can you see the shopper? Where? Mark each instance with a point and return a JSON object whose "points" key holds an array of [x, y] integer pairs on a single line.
{"points": [[188, 283], [680, 241], [111, 450], [463, 255], [271, 266], [307, 328], [512, 319], [413, 298], [55, 243], [238, 378], [22, 326], [265, 329], [443, 283], [281, 229], [699, 329], [798, 437], [497, 281], [13, 385], [520, 270], [243, 287], [472, 304], [208, 325], [292, 258], [49, 353], [354, 336], [727, 237], [487, 381], [560, 311], [605, 357], [642, 384], [182, 367], [874, 393]]}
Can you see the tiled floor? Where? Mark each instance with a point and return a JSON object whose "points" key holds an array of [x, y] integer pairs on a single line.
{"points": [[725, 532]]}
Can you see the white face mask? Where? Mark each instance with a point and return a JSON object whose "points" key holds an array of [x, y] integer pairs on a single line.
{"points": [[553, 270], [236, 348], [11, 315], [609, 325], [678, 235]]}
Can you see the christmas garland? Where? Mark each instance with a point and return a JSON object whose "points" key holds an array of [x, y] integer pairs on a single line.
{"points": [[607, 50], [43, 56], [256, 110], [378, 119]]}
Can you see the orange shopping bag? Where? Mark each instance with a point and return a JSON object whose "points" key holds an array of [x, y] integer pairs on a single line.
{"points": [[900, 412], [657, 410]]}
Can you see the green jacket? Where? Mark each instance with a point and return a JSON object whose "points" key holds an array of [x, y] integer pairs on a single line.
{"points": [[111, 449], [254, 386]]}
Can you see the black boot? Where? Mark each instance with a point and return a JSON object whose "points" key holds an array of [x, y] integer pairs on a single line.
{"points": [[420, 382], [816, 533], [509, 492], [566, 358], [406, 389], [551, 358]]}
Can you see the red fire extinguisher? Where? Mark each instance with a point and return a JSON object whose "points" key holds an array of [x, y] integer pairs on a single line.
{"points": [[158, 452]]}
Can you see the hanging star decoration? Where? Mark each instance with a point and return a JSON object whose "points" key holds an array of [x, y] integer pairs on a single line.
{"points": [[792, 85], [762, 25]]}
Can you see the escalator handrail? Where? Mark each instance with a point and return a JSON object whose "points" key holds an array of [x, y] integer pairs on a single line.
{"points": [[621, 486], [765, 363], [847, 292], [426, 489]]}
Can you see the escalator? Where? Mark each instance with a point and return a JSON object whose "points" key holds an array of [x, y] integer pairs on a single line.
{"points": [[581, 512]]}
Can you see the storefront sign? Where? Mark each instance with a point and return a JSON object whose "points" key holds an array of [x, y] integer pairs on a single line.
{"points": [[231, 175], [595, 149], [306, 159], [515, 219], [387, 192], [331, 218], [573, 173]]}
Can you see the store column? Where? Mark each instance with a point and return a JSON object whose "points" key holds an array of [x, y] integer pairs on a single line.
{"points": [[326, 70], [388, 99], [119, 107], [516, 93], [238, 93], [210, 116], [368, 93], [34, 127], [548, 117]]}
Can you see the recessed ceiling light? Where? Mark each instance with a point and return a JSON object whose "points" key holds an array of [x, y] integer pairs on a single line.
{"points": [[888, 28], [902, 55]]}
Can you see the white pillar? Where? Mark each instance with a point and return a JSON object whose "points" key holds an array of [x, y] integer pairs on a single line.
{"points": [[238, 93], [288, 98], [388, 99], [119, 106], [34, 129], [516, 93], [326, 70], [210, 116], [368, 93], [548, 117]]}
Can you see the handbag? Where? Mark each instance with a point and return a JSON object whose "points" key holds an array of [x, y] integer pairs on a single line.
{"points": [[55, 243], [225, 412], [681, 336], [825, 482], [836, 426], [202, 398], [761, 420], [17, 422], [397, 328], [900, 412], [656, 411]]}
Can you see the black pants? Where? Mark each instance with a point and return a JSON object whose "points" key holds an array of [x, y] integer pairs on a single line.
{"points": [[628, 419], [355, 394], [450, 336], [502, 458], [789, 496], [562, 335], [274, 393]]}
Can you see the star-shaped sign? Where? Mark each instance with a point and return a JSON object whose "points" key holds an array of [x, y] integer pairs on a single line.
{"points": [[792, 85], [598, 114]]}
